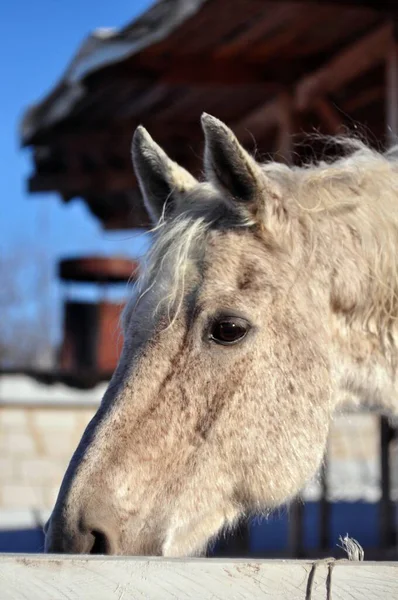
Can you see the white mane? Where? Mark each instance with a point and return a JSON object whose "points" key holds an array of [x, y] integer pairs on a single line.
{"points": [[360, 190]]}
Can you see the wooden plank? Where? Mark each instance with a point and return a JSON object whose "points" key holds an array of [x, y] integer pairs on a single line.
{"points": [[345, 66], [392, 92], [41, 577], [206, 69], [284, 148], [374, 5], [113, 578], [239, 544], [364, 580], [257, 121], [363, 99], [296, 529], [263, 26], [324, 508], [387, 525], [296, 25], [329, 116], [212, 71]]}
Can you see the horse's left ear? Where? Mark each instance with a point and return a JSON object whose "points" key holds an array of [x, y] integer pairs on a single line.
{"points": [[239, 177], [163, 182]]}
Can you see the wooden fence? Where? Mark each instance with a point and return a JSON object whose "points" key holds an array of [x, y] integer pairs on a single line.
{"points": [[238, 543], [387, 517], [41, 577]]}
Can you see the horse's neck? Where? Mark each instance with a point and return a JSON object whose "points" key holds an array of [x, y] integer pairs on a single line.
{"points": [[365, 368], [365, 353]]}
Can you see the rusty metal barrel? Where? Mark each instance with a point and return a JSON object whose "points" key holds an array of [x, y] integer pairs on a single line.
{"points": [[92, 339]]}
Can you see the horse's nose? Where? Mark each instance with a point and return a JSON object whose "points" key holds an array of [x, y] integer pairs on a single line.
{"points": [[62, 540]]}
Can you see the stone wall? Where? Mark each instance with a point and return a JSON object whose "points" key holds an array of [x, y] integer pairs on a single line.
{"points": [[40, 427], [36, 444]]}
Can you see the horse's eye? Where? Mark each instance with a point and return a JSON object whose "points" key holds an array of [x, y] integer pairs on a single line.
{"points": [[229, 331]]}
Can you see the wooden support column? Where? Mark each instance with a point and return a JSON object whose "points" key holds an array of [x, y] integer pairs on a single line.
{"points": [[286, 117], [234, 544], [392, 87], [239, 546], [388, 532], [284, 153], [329, 116], [352, 62], [296, 529], [324, 508], [387, 525]]}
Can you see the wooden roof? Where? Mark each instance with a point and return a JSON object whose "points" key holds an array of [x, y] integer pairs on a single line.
{"points": [[268, 69]]}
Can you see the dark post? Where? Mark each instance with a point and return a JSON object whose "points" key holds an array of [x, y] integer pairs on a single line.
{"points": [[324, 508], [387, 524], [388, 532], [296, 517]]}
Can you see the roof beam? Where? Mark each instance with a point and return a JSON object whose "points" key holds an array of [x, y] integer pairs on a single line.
{"points": [[258, 120], [376, 5], [392, 89], [344, 67], [194, 70], [309, 91], [329, 116]]}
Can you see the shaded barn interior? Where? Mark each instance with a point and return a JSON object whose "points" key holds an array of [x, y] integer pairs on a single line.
{"points": [[268, 69], [274, 71]]}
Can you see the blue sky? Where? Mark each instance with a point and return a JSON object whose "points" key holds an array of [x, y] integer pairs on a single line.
{"points": [[38, 39]]}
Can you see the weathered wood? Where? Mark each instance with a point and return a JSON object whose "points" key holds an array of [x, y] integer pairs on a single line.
{"points": [[365, 98], [286, 118], [310, 91], [257, 121], [296, 24], [364, 581], [235, 544], [387, 517], [296, 529], [324, 508], [392, 92], [387, 533], [376, 5], [258, 30], [201, 72], [201, 69], [329, 116], [345, 66], [40, 577]]}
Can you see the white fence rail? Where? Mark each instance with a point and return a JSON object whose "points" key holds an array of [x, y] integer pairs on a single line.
{"points": [[41, 577]]}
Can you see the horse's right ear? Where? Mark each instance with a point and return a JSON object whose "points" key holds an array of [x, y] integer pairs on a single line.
{"points": [[162, 181], [240, 178]]}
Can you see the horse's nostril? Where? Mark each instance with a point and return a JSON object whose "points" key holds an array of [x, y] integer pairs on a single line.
{"points": [[101, 544]]}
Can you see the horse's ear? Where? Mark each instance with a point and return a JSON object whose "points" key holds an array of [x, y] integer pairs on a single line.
{"points": [[234, 171], [162, 181]]}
